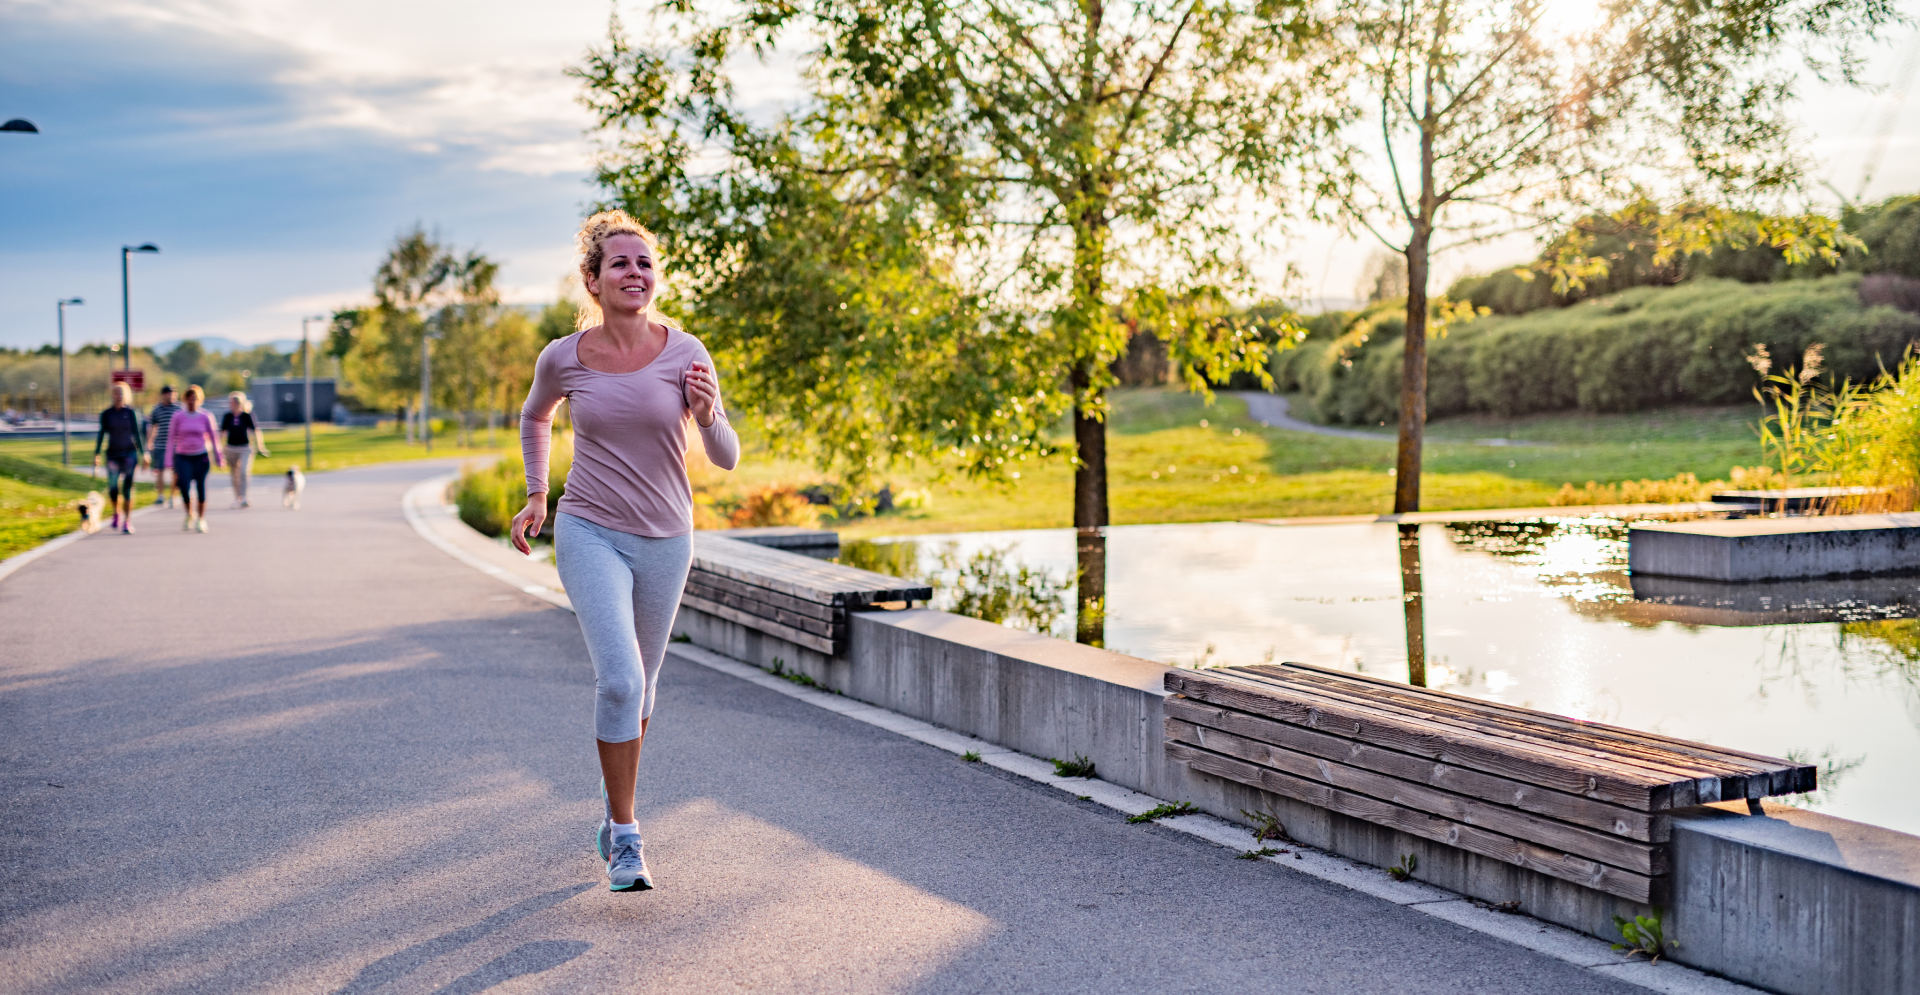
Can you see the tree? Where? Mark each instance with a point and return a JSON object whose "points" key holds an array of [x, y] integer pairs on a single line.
{"points": [[1470, 119], [935, 252], [424, 290]]}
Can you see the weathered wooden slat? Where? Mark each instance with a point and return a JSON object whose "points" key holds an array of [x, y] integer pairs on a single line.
{"points": [[1729, 776], [1785, 776], [758, 624], [1702, 782], [805, 623], [1527, 797], [800, 576], [1518, 761], [1641, 858], [767, 596], [1646, 889]]}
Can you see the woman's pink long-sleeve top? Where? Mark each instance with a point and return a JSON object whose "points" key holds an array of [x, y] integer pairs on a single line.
{"points": [[629, 437], [191, 433]]}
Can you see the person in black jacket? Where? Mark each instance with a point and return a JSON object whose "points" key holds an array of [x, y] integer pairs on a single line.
{"points": [[121, 435], [243, 441]]}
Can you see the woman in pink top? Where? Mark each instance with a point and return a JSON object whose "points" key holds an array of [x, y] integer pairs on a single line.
{"points": [[624, 536], [190, 447]]}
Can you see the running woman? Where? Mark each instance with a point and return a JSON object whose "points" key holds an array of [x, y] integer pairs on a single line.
{"points": [[191, 443], [243, 440], [120, 434], [157, 421], [623, 536]]}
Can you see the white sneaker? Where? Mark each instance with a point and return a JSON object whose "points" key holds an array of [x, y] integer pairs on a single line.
{"points": [[203, 525]]}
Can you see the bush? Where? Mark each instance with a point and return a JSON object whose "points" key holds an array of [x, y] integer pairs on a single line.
{"points": [[1642, 348], [489, 496], [779, 504]]}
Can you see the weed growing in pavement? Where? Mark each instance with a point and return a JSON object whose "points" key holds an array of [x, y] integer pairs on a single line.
{"points": [[971, 756], [1644, 935], [1266, 826], [780, 670], [1079, 766], [1409, 862], [1084, 798], [1163, 812], [681, 638], [1265, 851]]}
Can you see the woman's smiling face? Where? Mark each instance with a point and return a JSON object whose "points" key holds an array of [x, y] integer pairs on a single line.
{"points": [[627, 277]]}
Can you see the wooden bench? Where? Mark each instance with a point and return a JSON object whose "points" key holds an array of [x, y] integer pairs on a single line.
{"points": [[797, 598], [1576, 800]]}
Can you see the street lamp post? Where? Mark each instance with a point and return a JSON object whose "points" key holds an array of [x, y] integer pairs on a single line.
{"points": [[126, 309], [65, 458], [426, 386], [306, 406]]}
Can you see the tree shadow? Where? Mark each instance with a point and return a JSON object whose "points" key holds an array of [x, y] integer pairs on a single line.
{"points": [[525, 959], [401, 963]]}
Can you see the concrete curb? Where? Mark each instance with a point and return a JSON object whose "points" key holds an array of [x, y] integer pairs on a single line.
{"points": [[426, 510]]}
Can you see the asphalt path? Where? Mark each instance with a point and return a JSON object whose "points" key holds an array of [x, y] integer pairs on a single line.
{"points": [[308, 752]]}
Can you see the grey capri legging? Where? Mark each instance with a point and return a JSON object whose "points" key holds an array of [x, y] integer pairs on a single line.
{"points": [[625, 590]]}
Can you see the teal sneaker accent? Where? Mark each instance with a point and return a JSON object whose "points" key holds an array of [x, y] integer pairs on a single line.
{"points": [[627, 868]]}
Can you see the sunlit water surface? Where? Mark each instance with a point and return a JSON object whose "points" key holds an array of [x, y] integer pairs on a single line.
{"points": [[1539, 615]]}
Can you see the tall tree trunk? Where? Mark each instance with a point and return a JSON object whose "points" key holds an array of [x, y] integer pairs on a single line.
{"points": [[1413, 379], [1089, 519]]}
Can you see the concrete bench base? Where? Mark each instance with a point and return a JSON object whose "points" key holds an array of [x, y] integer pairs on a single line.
{"points": [[1776, 548]]}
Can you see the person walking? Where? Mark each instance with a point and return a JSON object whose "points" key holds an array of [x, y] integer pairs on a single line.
{"points": [[120, 434], [243, 440], [623, 537], [193, 441], [157, 421]]}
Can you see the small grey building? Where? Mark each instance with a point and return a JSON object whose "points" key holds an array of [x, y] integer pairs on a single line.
{"points": [[282, 399]]}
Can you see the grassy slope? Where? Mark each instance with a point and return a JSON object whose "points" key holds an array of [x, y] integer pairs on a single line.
{"points": [[1282, 473]]}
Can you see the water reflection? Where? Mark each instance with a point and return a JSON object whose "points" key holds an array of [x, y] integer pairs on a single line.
{"points": [[989, 583], [1090, 587], [1416, 609]]}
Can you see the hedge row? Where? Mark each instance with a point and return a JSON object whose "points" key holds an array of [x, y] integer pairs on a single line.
{"points": [[1643, 348]]}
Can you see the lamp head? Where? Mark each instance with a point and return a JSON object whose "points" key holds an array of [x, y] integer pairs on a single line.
{"points": [[20, 124], [146, 247], [73, 300]]}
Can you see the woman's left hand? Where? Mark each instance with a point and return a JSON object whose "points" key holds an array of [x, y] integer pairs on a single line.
{"points": [[703, 394]]}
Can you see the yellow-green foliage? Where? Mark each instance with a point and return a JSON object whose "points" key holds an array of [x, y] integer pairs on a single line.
{"points": [[489, 495], [1680, 488], [1875, 443]]}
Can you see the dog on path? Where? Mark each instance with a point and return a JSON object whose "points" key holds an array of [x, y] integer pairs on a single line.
{"points": [[90, 508], [296, 483]]}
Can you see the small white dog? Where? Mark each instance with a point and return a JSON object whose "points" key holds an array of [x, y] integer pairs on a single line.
{"points": [[90, 508], [296, 482]]}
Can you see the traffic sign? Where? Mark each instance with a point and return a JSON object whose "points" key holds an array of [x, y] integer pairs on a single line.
{"points": [[136, 380]]}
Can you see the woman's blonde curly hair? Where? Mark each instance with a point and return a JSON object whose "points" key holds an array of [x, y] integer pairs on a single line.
{"points": [[593, 236]]}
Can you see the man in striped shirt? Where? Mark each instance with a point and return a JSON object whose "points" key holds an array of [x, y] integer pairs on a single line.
{"points": [[159, 420]]}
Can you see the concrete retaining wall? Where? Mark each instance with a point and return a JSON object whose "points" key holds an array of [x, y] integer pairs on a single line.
{"points": [[1776, 548], [1794, 902]]}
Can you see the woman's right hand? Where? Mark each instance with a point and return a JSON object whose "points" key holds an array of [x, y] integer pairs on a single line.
{"points": [[531, 518]]}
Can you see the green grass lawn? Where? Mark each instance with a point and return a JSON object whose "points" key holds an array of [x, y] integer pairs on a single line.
{"points": [[1164, 465]]}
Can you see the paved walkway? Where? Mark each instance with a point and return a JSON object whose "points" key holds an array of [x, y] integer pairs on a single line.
{"points": [[309, 752]]}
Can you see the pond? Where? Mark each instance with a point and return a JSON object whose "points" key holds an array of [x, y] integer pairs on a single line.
{"points": [[1540, 614]]}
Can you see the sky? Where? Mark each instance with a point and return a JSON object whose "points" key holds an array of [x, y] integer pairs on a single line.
{"points": [[273, 149]]}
